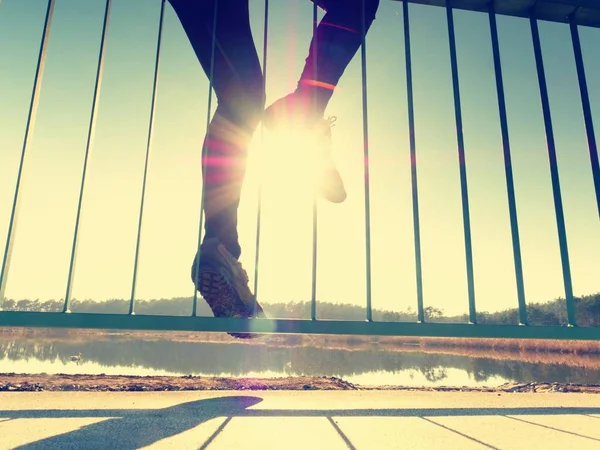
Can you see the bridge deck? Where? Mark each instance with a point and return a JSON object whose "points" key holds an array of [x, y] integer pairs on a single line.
{"points": [[584, 12]]}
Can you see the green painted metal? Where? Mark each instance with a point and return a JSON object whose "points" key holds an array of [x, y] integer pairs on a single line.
{"points": [[584, 14], [31, 116], [413, 163], [289, 326], [464, 190], [315, 209], [147, 157], [508, 170], [587, 110], [86, 159], [204, 154], [367, 185], [553, 160], [262, 131], [581, 12]]}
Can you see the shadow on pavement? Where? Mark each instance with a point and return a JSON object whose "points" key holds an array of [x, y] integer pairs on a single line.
{"points": [[134, 428]]}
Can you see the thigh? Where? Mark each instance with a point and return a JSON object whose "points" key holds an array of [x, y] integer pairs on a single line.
{"points": [[235, 69], [350, 6]]}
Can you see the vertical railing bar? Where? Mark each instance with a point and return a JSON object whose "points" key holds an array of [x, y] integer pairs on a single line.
{"points": [[313, 297], [462, 165], [88, 146], [37, 84], [510, 187], [262, 131], [147, 158], [587, 109], [204, 156], [413, 163], [558, 206], [313, 301], [363, 54]]}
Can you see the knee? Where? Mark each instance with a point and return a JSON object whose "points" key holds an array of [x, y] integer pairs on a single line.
{"points": [[254, 105], [244, 107]]}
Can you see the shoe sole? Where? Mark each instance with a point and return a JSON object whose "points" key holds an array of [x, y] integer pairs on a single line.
{"points": [[223, 299]]}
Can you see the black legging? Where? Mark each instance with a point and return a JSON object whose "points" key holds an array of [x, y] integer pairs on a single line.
{"points": [[238, 83]]}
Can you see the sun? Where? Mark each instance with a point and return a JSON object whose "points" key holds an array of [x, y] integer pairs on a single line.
{"points": [[289, 163]]}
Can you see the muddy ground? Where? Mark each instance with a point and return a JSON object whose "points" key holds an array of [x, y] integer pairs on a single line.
{"points": [[61, 382]]}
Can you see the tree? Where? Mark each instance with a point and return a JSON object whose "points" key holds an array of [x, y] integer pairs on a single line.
{"points": [[433, 313]]}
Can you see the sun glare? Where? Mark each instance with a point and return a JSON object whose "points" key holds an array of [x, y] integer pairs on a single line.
{"points": [[289, 163]]}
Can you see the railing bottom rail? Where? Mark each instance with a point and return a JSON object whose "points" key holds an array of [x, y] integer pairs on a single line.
{"points": [[289, 326]]}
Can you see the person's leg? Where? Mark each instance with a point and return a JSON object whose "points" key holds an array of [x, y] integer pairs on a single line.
{"points": [[238, 84], [338, 38]]}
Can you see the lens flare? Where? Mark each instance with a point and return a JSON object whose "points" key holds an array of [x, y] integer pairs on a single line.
{"points": [[291, 161]]}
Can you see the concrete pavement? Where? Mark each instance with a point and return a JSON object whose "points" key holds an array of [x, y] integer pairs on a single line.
{"points": [[298, 420]]}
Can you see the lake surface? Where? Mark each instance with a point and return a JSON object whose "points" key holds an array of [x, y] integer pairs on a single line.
{"points": [[368, 367]]}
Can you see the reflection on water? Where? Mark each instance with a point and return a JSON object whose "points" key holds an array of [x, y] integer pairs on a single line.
{"points": [[367, 367]]}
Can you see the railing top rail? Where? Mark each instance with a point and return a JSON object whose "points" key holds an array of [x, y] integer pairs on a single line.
{"points": [[584, 12]]}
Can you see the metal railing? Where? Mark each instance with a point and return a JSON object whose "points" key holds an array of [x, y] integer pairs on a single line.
{"points": [[573, 13]]}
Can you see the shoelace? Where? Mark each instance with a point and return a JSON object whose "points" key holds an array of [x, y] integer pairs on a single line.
{"points": [[236, 262], [244, 272], [331, 120]]}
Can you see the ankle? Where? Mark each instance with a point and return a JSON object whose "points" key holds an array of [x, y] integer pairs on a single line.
{"points": [[305, 105]]}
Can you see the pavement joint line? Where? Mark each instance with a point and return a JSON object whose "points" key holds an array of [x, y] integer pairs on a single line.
{"points": [[471, 438], [341, 433], [215, 434], [553, 428]]}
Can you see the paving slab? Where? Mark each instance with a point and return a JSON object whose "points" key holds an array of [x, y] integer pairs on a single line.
{"points": [[298, 420]]}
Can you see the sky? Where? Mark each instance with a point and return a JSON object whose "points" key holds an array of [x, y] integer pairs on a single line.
{"points": [[110, 214]]}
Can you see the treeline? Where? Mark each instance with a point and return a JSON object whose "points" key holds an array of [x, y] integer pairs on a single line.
{"points": [[587, 309]]}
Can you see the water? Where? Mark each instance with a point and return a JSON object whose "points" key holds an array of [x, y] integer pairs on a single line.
{"points": [[371, 366]]}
